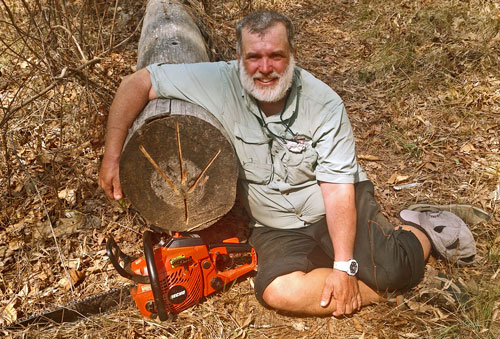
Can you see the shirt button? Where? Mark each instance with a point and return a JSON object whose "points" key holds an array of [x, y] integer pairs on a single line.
{"points": [[278, 179], [276, 151], [299, 214]]}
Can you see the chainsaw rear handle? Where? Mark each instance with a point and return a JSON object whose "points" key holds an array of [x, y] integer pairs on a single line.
{"points": [[153, 275], [113, 251]]}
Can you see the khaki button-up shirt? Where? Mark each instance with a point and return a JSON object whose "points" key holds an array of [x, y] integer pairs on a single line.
{"points": [[282, 157]]}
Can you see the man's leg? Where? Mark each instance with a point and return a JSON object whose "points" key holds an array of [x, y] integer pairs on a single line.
{"points": [[389, 260], [422, 239], [300, 292]]}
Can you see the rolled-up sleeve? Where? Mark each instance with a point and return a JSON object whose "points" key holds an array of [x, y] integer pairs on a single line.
{"points": [[199, 83], [336, 150]]}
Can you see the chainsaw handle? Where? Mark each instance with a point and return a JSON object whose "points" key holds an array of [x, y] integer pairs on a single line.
{"points": [[113, 251], [153, 275], [232, 247]]}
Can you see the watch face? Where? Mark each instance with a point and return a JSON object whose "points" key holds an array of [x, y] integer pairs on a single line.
{"points": [[353, 268]]}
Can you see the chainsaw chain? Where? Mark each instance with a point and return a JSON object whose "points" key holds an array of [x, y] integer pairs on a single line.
{"points": [[100, 303]]}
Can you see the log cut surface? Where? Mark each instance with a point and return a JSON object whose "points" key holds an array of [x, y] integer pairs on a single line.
{"points": [[175, 190]]}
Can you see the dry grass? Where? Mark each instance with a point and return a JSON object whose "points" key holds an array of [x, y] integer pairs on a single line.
{"points": [[421, 83]]}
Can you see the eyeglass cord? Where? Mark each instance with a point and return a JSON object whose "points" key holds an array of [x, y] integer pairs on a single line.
{"points": [[264, 124]]}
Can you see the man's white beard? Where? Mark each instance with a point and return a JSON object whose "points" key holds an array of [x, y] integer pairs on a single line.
{"points": [[271, 94]]}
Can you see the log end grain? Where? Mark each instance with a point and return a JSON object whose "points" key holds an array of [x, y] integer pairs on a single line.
{"points": [[179, 172]]}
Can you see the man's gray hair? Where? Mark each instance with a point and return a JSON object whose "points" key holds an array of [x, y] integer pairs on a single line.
{"points": [[259, 22]]}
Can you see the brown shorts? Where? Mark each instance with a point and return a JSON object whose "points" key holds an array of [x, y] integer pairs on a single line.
{"points": [[389, 260]]}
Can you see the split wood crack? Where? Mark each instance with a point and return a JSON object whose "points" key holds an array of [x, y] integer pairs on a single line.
{"points": [[183, 173]]}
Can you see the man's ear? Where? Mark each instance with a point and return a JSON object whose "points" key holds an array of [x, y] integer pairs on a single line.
{"points": [[294, 53], [238, 57]]}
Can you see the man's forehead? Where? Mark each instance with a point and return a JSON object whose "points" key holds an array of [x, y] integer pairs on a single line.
{"points": [[261, 33], [272, 37]]}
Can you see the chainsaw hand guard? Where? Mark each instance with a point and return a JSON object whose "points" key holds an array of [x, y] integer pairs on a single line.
{"points": [[114, 252]]}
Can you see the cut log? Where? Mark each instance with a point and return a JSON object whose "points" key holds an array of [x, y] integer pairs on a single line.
{"points": [[177, 168]]}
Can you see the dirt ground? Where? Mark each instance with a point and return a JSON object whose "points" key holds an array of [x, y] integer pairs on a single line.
{"points": [[421, 85]]}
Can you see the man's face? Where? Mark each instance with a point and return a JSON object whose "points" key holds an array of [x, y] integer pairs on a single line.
{"points": [[266, 64]]}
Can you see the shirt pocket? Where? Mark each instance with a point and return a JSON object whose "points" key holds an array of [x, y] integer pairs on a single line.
{"points": [[300, 166], [253, 149]]}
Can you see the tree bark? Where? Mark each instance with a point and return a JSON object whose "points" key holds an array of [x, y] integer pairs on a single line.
{"points": [[178, 168]]}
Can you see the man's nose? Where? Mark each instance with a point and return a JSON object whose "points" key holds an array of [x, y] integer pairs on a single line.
{"points": [[265, 66]]}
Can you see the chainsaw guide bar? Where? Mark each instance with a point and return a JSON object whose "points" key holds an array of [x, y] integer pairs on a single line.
{"points": [[101, 303]]}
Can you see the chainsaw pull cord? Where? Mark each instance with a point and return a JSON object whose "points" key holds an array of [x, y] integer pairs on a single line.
{"points": [[153, 275]]}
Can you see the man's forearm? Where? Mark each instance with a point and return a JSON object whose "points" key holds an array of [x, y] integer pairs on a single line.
{"points": [[341, 218], [131, 97], [133, 94]]}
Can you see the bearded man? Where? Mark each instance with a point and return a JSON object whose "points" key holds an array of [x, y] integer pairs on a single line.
{"points": [[323, 245]]}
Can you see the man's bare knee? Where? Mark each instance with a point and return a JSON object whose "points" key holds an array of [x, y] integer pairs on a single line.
{"points": [[281, 292]]}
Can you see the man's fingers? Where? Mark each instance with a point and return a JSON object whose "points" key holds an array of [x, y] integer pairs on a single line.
{"points": [[348, 307], [106, 188], [117, 188], [326, 296], [352, 305], [341, 307]]}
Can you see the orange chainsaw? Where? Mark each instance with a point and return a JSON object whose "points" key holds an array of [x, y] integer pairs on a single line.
{"points": [[180, 271], [174, 274]]}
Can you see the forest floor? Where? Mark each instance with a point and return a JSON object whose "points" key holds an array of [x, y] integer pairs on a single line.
{"points": [[421, 84]]}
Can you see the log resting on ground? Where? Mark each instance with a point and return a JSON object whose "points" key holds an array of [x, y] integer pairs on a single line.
{"points": [[177, 168]]}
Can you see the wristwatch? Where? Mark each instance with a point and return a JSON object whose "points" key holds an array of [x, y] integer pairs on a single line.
{"points": [[350, 266]]}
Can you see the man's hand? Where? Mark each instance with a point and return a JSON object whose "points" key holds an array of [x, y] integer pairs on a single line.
{"points": [[345, 291], [109, 178]]}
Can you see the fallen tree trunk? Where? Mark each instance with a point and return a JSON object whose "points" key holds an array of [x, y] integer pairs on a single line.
{"points": [[177, 168]]}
